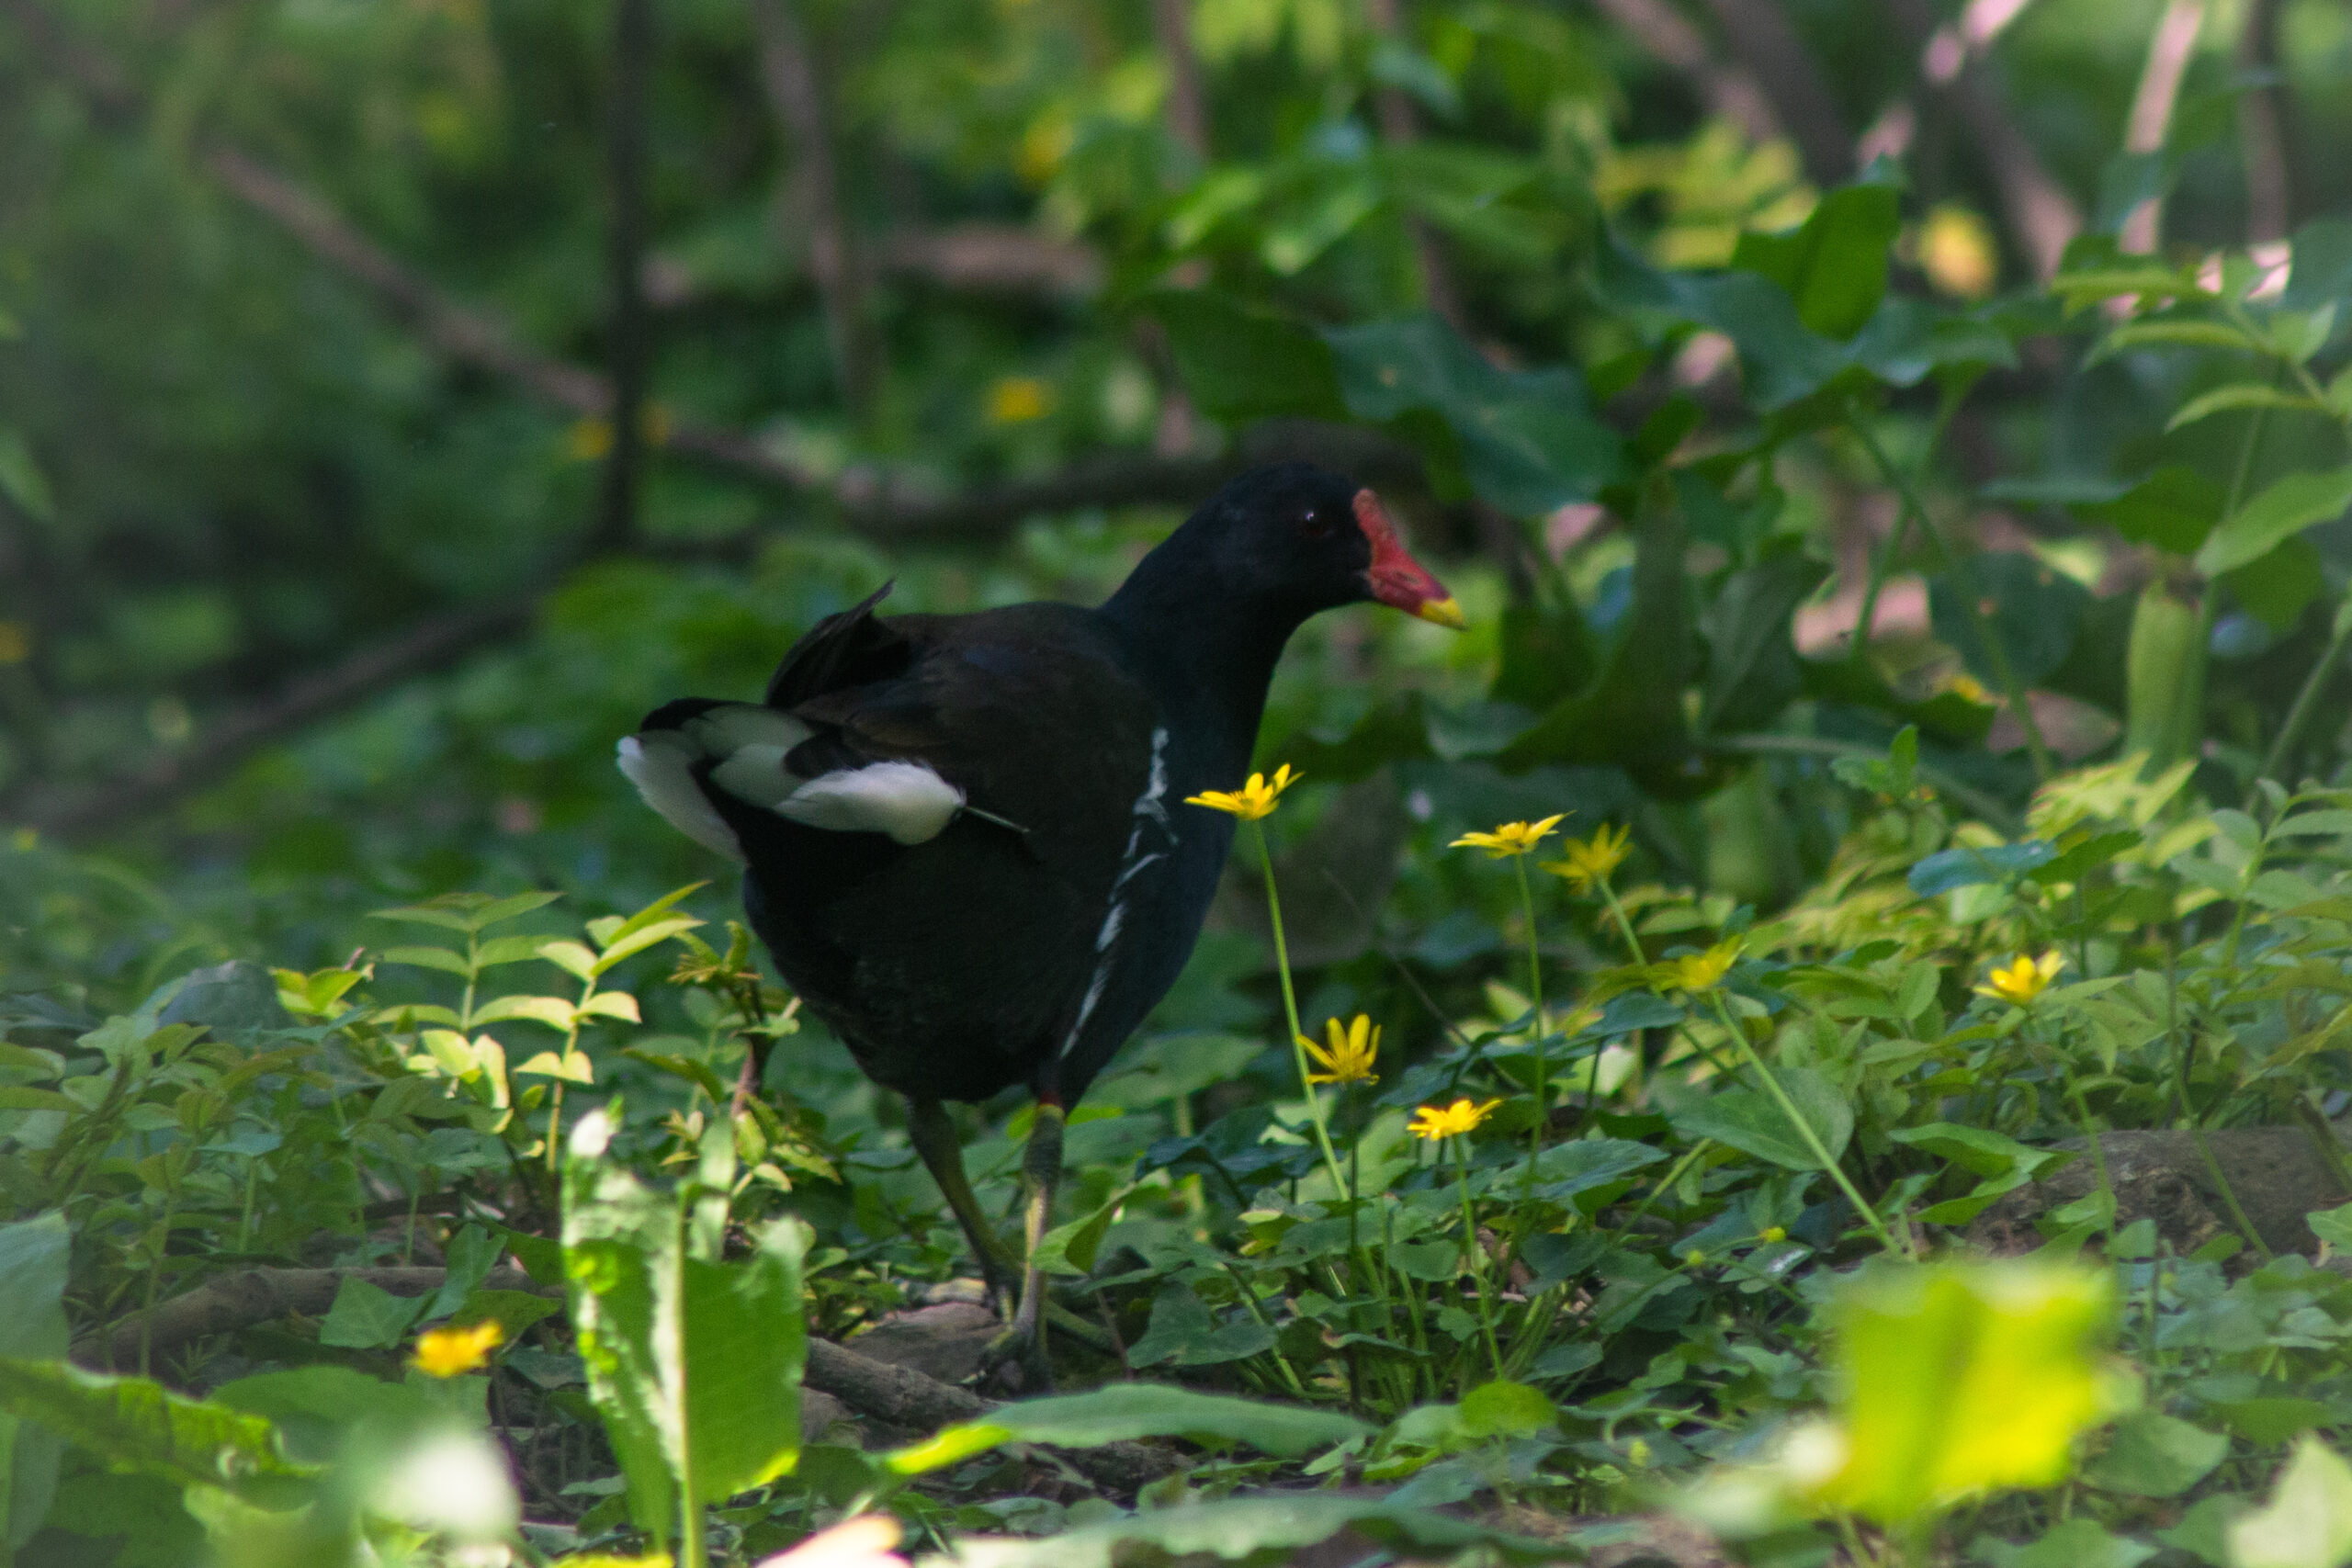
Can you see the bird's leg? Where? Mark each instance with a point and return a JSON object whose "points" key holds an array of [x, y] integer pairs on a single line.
{"points": [[934, 1134], [1041, 1170]]}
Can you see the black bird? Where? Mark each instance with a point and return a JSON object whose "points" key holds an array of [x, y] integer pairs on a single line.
{"points": [[965, 836]]}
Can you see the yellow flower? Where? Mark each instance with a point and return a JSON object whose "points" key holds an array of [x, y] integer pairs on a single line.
{"points": [[1966, 685], [1448, 1121], [1349, 1060], [1703, 970], [1958, 252], [1017, 399], [16, 642], [1510, 839], [1253, 800], [445, 1352], [2025, 979], [1590, 862], [589, 440]]}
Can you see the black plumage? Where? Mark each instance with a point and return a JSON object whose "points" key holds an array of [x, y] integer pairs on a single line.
{"points": [[966, 840]]}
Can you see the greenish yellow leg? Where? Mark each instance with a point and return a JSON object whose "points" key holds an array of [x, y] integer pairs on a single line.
{"points": [[934, 1134]]}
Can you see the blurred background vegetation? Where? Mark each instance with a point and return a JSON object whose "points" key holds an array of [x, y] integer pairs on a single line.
{"points": [[329, 572]]}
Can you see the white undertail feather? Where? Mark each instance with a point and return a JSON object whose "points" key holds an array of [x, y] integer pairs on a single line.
{"points": [[661, 765], [745, 747], [1150, 806], [906, 800]]}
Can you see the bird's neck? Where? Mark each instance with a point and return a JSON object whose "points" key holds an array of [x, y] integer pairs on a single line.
{"points": [[1210, 655]]}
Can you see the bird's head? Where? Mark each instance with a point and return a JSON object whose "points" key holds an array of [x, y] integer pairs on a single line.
{"points": [[1316, 541]]}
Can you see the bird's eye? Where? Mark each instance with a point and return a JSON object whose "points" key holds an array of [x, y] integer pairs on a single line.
{"points": [[1315, 524]]}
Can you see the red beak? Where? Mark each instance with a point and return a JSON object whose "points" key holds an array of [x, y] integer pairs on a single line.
{"points": [[1396, 578]]}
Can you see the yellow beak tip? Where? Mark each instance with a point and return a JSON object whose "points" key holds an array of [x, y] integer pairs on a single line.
{"points": [[1444, 611]]}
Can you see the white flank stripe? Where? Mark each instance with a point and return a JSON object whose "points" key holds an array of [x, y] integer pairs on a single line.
{"points": [[1151, 806]]}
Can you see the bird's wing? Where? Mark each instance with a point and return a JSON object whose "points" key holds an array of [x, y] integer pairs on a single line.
{"points": [[898, 727]]}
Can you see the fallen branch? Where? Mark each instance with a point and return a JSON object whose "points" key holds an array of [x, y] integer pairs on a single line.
{"points": [[227, 1304], [896, 1396], [170, 774]]}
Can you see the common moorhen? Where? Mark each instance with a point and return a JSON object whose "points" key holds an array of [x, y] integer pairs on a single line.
{"points": [[965, 836]]}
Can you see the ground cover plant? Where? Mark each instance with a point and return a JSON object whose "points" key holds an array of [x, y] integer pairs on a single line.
{"points": [[1815, 1033]]}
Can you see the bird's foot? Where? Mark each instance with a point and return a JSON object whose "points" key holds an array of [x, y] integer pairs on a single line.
{"points": [[1015, 1363]]}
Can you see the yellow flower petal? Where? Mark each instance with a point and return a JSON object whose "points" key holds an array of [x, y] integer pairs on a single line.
{"points": [[1253, 800], [1587, 862], [2025, 978], [1509, 839], [445, 1352], [1350, 1057], [1449, 1121]]}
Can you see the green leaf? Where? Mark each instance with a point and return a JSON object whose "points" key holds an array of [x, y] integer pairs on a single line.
{"points": [[1124, 1412], [2333, 1226], [497, 910], [1504, 1409], [135, 1425], [1981, 1150], [1752, 1123], [1183, 1332], [440, 958], [367, 1317], [695, 1365], [2174, 509], [1266, 1529], [1833, 266], [1966, 1377], [1753, 673], [575, 959], [471, 1254], [2032, 610], [553, 1012], [2164, 333], [2285, 508], [2079, 1543], [2154, 1455], [1633, 716], [514, 1311], [1528, 441], [572, 1068], [2240, 395], [1240, 364], [508, 950], [34, 1254], [22, 479], [627, 941], [2271, 1418], [649, 914], [686, 1067], [1070, 1248], [2308, 1521]]}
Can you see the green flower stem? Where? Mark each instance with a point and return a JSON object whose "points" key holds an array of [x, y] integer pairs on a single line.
{"points": [[1473, 1257], [2299, 717], [1542, 1025], [1883, 562], [1290, 1013], [2011, 687], [1624, 926], [1803, 1127], [2098, 1153]]}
